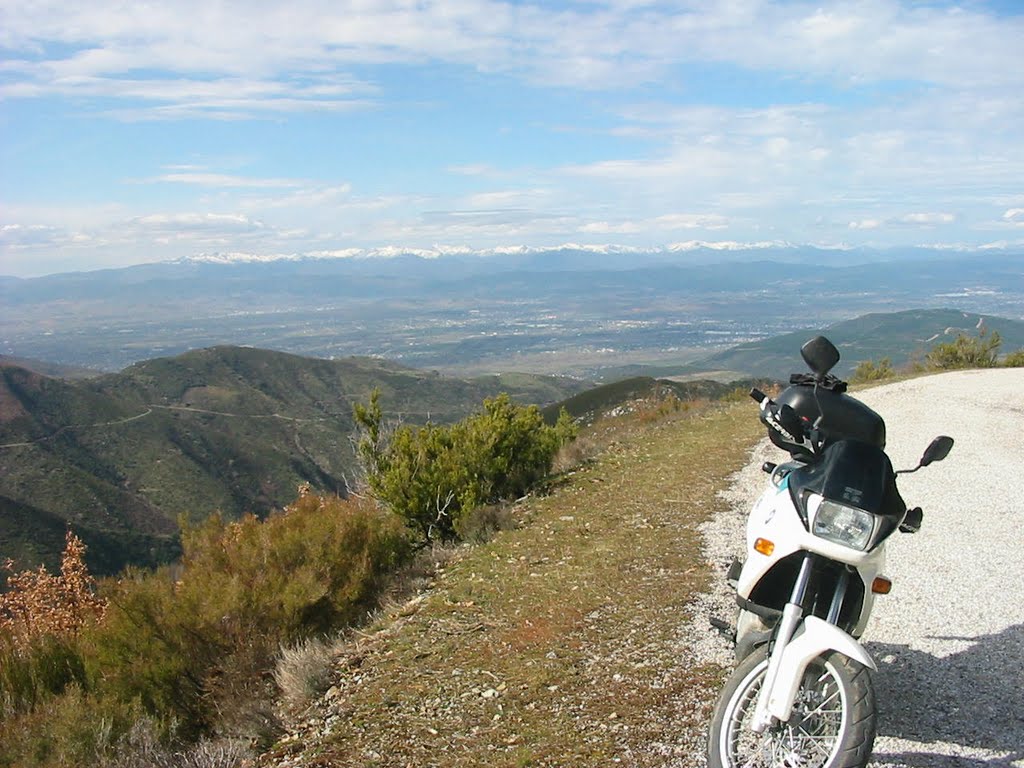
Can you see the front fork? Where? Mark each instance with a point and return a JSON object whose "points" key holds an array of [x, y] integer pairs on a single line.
{"points": [[798, 641], [791, 616]]}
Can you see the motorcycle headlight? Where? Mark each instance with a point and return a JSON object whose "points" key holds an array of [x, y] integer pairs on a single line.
{"points": [[849, 526]]}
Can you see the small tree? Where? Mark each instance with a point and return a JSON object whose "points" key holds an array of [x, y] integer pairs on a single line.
{"points": [[432, 475], [41, 616]]}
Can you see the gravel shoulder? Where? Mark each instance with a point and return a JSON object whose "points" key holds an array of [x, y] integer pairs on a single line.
{"points": [[949, 639]]}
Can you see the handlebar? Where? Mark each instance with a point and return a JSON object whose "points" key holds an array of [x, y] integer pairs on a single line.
{"points": [[785, 421], [912, 521]]}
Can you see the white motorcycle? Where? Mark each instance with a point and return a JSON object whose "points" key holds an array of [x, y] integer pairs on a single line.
{"points": [[801, 694]]}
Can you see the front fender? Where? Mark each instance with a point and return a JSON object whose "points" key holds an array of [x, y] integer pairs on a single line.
{"points": [[814, 638]]}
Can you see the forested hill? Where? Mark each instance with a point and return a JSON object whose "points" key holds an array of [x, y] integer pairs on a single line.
{"points": [[120, 457]]}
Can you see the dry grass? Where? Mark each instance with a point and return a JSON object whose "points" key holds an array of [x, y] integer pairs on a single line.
{"points": [[141, 748], [557, 643], [302, 673]]}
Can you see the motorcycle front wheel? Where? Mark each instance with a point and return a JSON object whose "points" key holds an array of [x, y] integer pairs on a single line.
{"points": [[832, 724]]}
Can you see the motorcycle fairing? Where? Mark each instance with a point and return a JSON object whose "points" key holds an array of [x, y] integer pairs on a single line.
{"points": [[854, 473]]}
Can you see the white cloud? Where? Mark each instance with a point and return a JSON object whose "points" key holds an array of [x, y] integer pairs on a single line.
{"points": [[926, 219], [180, 94], [866, 224], [234, 56], [690, 221], [1014, 215], [608, 228], [915, 220], [20, 236], [509, 198], [178, 222], [316, 197], [657, 226], [471, 169], [203, 179]]}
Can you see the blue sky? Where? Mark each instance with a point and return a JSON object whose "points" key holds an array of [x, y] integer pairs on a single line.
{"points": [[149, 131]]}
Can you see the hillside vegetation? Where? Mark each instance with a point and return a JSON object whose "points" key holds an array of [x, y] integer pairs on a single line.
{"points": [[556, 640], [186, 651], [621, 395], [119, 458], [549, 645], [966, 351]]}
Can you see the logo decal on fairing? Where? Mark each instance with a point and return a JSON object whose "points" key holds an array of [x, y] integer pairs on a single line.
{"points": [[853, 495]]}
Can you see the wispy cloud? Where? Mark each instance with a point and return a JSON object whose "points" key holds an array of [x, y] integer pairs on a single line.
{"points": [[499, 122], [229, 57], [926, 220], [222, 180]]}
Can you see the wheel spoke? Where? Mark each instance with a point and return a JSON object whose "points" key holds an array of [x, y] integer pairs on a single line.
{"points": [[820, 707], [808, 739]]}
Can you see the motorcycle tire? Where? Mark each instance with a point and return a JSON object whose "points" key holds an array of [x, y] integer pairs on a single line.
{"points": [[832, 724]]}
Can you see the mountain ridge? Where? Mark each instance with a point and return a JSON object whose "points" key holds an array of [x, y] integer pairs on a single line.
{"points": [[237, 429], [233, 429]]}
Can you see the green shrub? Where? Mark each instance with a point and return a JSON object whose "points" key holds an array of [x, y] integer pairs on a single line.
{"points": [[75, 728], [432, 475], [869, 370], [312, 568], [181, 646], [1014, 359], [481, 524], [966, 352], [29, 675], [190, 648]]}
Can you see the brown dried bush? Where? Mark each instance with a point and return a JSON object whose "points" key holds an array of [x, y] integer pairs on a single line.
{"points": [[39, 604]]}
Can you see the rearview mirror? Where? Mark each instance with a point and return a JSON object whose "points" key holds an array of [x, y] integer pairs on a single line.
{"points": [[937, 450], [820, 354]]}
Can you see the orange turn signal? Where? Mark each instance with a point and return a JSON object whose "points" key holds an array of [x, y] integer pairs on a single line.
{"points": [[764, 546], [881, 585]]}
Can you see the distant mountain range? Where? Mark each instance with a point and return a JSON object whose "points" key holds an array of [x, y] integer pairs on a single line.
{"points": [[120, 457], [581, 311]]}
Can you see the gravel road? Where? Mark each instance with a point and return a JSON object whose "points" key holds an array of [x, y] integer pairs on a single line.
{"points": [[949, 639]]}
